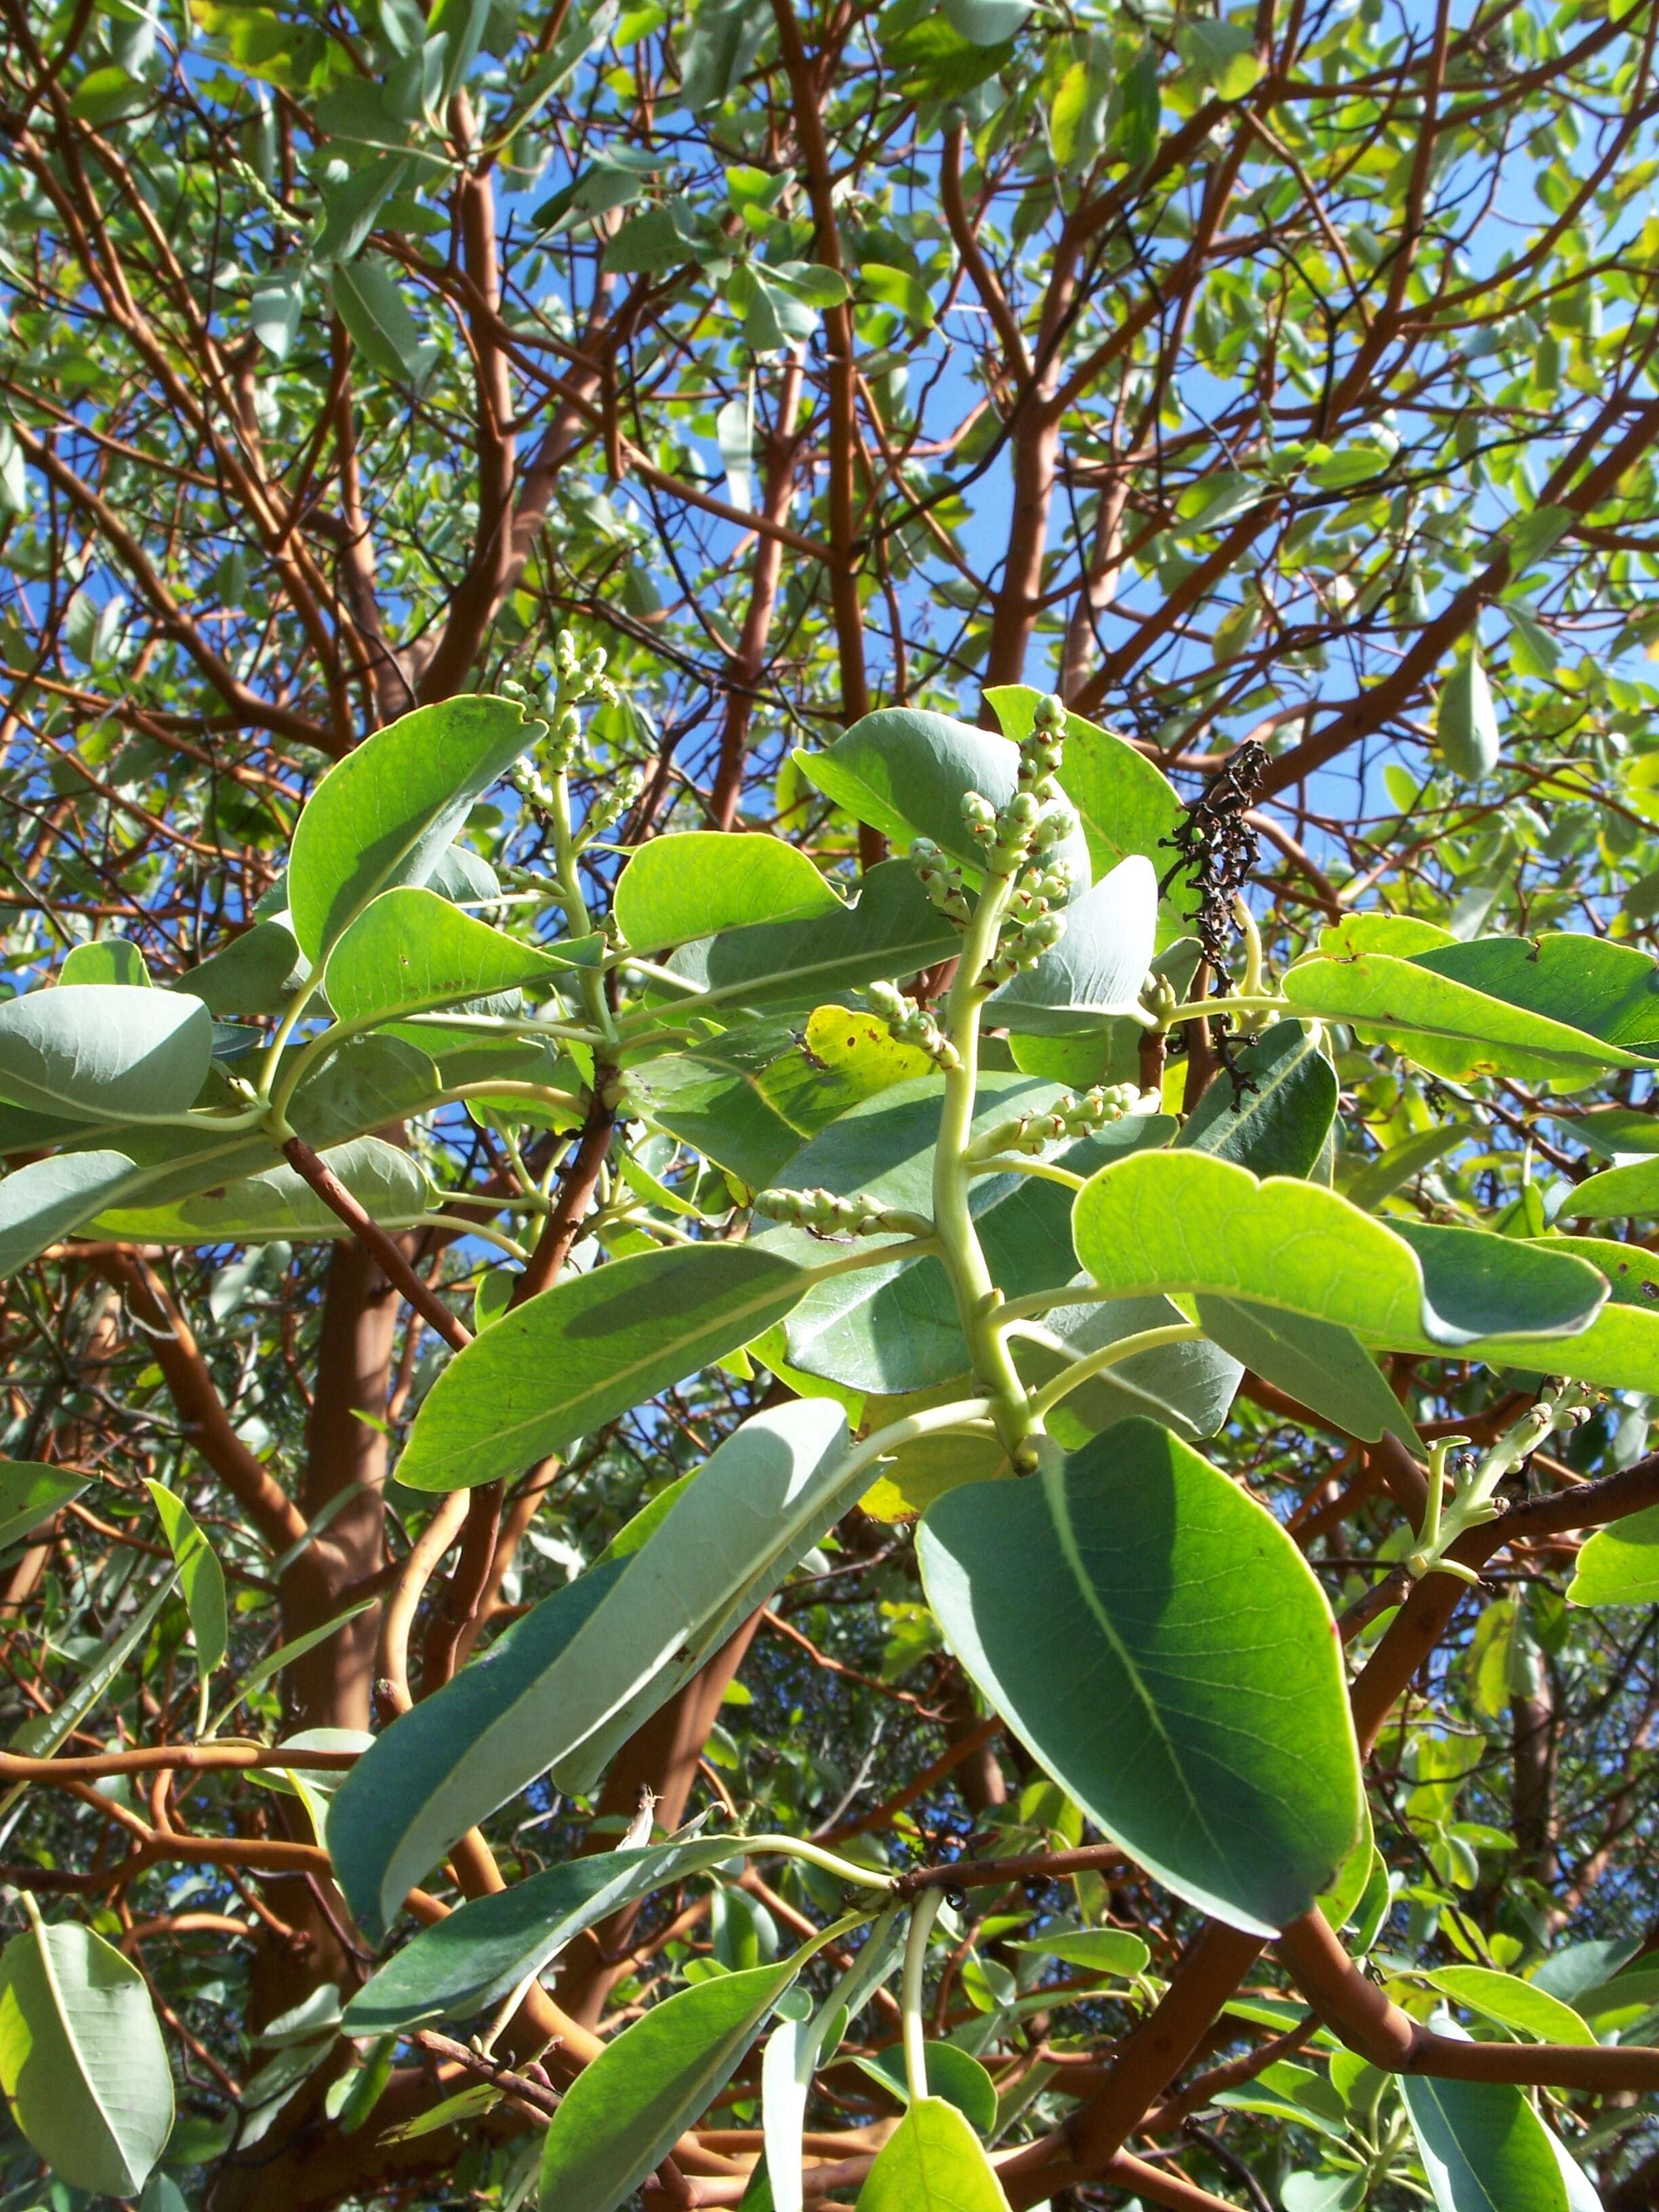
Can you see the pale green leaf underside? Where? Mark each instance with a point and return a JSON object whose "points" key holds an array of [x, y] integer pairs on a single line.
{"points": [[82, 2059], [1484, 2147], [1160, 1645]]}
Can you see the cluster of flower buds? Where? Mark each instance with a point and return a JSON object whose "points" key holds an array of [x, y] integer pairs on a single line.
{"points": [[907, 1024], [826, 1215], [1068, 1116], [621, 788], [1160, 999], [940, 878], [1040, 754], [1010, 833], [1021, 945]]}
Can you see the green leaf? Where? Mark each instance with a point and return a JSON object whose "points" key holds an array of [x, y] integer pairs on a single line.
{"points": [[1620, 1566], [384, 814], [788, 2064], [763, 1498], [954, 2076], [1098, 966], [102, 1053], [107, 960], [255, 974], [895, 1327], [580, 1671], [1322, 2192], [1162, 1648], [1190, 1388], [1186, 1222], [622, 2116], [1403, 1161], [566, 1362], [1126, 804], [1608, 991], [49, 1198], [749, 1099], [1222, 55], [1533, 1288], [1278, 1122], [371, 304], [1484, 2147], [200, 1574], [31, 1493], [1512, 2003], [411, 951], [906, 772], [1446, 1027], [1620, 1193], [1322, 1365], [467, 1963], [676, 889], [897, 287], [281, 1203], [41, 1734], [932, 2159], [82, 2059], [891, 931], [1101, 1950], [1466, 721]]}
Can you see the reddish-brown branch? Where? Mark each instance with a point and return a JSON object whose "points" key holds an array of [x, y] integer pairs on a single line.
{"points": [[199, 1406], [387, 1253], [1369, 2023]]}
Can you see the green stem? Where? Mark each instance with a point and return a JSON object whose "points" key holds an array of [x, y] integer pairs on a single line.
{"points": [[978, 1298], [815, 1854], [568, 876], [1241, 1002], [1014, 1163], [1109, 1355], [923, 1914]]}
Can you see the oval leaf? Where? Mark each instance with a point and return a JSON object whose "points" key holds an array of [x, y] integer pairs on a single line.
{"points": [[622, 2116], [954, 2076], [1189, 1221], [906, 772], [102, 1053], [584, 1668], [1446, 1026], [932, 2158], [1512, 2003], [411, 951], [1098, 966], [280, 1203], [82, 2059], [1484, 2147], [676, 888], [49, 1198], [31, 1493], [470, 1961], [891, 930], [384, 814], [1466, 722], [573, 1357], [1280, 1122], [1620, 1566], [1161, 1646]]}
